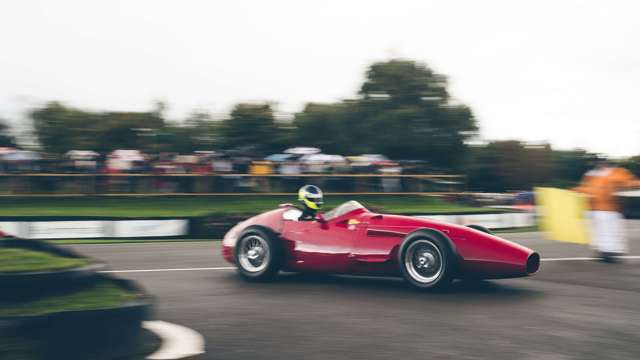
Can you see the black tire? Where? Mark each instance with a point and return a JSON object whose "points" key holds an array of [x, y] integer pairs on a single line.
{"points": [[422, 249], [480, 228], [250, 265]]}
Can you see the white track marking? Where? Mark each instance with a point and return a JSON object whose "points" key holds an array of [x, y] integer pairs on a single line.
{"points": [[177, 269], [177, 341], [570, 259], [625, 257]]}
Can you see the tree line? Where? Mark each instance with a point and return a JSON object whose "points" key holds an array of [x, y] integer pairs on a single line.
{"points": [[403, 109]]}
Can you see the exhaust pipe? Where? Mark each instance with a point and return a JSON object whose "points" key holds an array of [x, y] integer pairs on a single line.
{"points": [[533, 263]]}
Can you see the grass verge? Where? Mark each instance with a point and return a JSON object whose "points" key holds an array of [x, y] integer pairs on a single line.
{"points": [[101, 295], [199, 206], [119, 241], [21, 260]]}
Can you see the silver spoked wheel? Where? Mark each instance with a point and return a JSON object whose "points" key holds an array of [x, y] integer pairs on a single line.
{"points": [[254, 253], [423, 261]]}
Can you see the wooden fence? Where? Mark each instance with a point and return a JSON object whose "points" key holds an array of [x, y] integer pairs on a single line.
{"points": [[238, 184]]}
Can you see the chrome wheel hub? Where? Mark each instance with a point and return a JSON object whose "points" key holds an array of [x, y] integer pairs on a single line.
{"points": [[426, 260], [423, 261], [254, 255]]}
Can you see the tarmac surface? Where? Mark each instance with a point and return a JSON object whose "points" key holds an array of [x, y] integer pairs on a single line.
{"points": [[569, 310]]}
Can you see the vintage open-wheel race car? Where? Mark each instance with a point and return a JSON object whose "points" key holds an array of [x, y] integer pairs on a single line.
{"points": [[353, 240]]}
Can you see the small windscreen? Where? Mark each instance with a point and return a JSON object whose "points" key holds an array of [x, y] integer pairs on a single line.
{"points": [[342, 209]]}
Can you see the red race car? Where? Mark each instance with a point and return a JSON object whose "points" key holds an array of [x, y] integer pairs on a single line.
{"points": [[352, 240]]}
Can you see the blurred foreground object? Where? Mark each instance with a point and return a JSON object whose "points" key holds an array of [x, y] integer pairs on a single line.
{"points": [[56, 304], [562, 215]]}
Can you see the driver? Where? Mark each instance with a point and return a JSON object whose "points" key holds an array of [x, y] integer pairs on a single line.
{"points": [[311, 198]]}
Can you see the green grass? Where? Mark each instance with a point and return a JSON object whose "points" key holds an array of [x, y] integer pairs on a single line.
{"points": [[198, 206], [119, 241], [22, 260], [102, 295]]}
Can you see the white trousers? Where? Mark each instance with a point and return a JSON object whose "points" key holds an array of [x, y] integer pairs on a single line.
{"points": [[608, 231]]}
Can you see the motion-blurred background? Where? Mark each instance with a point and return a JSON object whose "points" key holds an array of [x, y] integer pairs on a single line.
{"points": [[507, 96]]}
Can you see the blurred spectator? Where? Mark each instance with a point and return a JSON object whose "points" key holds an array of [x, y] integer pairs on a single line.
{"points": [[390, 184], [231, 167], [302, 150], [163, 164], [601, 185], [222, 164], [280, 160], [123, 161], [524, 200], [261, 168], [21, 161], [368, 163], [204, 164], [415, 167], [4, 166], [185, 164], [290, 168], [83, 161], [324, 163], [293, 182], [241, 164]]}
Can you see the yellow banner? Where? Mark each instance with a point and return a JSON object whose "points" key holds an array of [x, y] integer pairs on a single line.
{"points": [[562, 215]]}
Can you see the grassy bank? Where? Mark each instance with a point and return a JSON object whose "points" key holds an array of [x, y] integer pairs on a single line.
{"points": [[101, 295], [122, 241], [198, 206], [21, 260]]}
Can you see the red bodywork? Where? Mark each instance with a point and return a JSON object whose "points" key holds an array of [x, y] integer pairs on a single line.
{"points": [[364, 243]]}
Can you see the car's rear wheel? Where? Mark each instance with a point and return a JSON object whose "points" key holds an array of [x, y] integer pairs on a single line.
{"points": [[426, 261], [257, 255]]}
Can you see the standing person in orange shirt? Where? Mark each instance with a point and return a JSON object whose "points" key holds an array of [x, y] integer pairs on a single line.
{"points": [[607, 224]]}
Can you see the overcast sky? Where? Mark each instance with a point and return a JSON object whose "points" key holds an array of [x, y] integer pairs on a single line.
{"points": [[567, 72]]}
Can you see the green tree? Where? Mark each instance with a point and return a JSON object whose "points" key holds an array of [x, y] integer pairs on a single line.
{"points": [[510, 165], [571, 165], [633, 164], [197, 132], [325, 126], [6, 139], [410, 115], [127, 130], [404, 82], [250, 125], [59, 128], [404, 111]]}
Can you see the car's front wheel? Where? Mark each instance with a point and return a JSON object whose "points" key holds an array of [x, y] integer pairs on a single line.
{"points": [[257, 255], [426, 261]]}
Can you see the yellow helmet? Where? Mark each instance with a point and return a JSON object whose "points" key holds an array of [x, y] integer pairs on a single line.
{"points": [[310, 196]]}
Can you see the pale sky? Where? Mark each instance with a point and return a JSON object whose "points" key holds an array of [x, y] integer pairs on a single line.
{"points": [[567, 72]]}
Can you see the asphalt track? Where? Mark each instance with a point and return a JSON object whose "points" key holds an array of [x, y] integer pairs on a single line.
{"points": [[569, 310]]}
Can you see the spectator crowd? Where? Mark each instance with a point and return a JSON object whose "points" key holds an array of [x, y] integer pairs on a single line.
{"points": [[292, 161]]}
